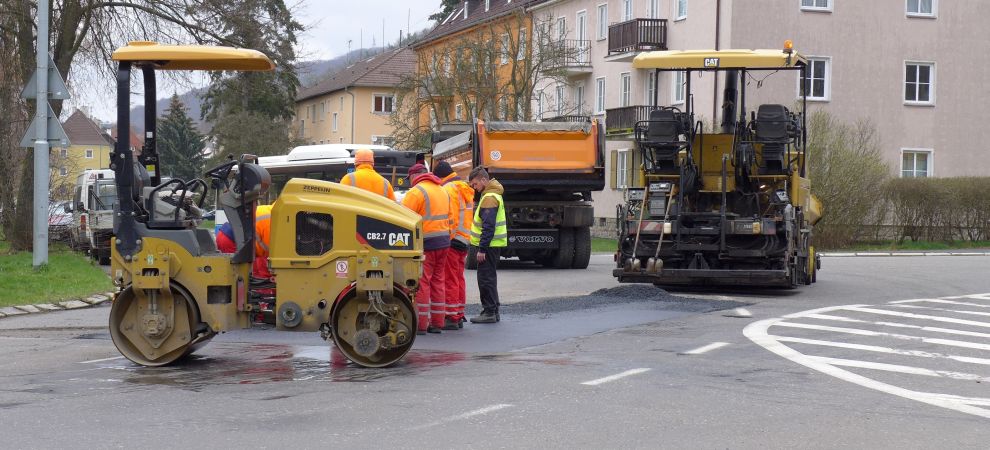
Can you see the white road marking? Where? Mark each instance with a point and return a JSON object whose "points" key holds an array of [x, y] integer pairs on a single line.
{"points": [[615, 377], [919, 316], [973, 296], [100, 360], [944, 302], [706, 348], [757, 332], [879, 349], [930, 308], [464, 416], [901, 369], [861, 332], [740, 312], [897, 325]]}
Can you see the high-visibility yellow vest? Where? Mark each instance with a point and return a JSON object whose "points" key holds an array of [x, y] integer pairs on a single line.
{"points": [[501, 238]]}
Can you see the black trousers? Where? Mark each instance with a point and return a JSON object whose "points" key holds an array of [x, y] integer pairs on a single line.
{"points": [[488, 280]]}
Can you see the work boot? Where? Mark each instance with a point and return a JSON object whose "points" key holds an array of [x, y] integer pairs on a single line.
{"points": [[433, 329], [485, 317], [451, 324], [420, 332]]}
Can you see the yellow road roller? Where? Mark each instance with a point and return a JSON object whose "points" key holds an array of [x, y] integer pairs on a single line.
{"points": [[347, 262]]}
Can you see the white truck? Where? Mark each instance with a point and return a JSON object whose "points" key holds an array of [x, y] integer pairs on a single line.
{"points": [[93, 201]]}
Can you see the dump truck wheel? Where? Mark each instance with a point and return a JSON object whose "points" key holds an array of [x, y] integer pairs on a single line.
{"points": [[565, 250], [582, 248], [471, 263], [156, 338], [362, 335]]}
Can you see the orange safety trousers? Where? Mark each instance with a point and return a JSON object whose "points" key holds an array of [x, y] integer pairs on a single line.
{"points": [[431, 305], [456, 290]]}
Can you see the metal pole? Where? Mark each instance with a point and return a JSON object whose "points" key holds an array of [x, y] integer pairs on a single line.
{"points": [[41, 170]]}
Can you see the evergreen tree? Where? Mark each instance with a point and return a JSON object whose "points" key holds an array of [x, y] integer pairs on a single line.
{"points": [[180, 145]]}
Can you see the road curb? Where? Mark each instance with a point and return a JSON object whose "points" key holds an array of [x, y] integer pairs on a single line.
{"points": [[79, 303], [869, 254]]}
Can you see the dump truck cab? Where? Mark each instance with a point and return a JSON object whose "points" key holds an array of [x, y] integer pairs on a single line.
{"points": [[730, 205]]}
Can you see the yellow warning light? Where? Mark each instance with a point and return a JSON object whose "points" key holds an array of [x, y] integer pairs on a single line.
{"points": [[788, 46]]}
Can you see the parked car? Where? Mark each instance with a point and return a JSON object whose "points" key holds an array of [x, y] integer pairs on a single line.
{"points": [[60, 221]]}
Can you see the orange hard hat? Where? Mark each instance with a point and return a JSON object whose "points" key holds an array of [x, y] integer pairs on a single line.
{"points": [[364, 156]]}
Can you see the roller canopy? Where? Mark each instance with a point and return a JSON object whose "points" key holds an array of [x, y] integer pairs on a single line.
{"points": [[193, 57], [718, 59]]}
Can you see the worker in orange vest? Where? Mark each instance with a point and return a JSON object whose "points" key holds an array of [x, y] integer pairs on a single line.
{"points": [[365, 176], [262, 239], [427, 198], [461, 215]]}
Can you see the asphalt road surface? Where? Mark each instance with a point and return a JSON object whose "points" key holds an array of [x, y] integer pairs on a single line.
{"points": [[883, 352]]}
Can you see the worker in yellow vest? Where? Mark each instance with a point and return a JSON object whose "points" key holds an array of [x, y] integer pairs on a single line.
{"points": [[490, 234]]}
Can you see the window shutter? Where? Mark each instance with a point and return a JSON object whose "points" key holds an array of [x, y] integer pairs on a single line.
{"points": [[614, 154]]}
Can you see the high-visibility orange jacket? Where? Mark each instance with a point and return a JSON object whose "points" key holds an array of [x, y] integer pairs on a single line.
{"points": [[366, 178], [428, 199], [262, 230], [462, 211]]}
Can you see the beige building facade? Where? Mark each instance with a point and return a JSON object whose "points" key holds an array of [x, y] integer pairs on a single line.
{"points": [[353, 105], [909, 67]]}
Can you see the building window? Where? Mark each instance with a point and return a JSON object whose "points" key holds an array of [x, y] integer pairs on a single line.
{"points": [[323, 111], [818, 81], [504, 58], [341, 108], [602, 21], [560, 100], [579, 98], [459, 112], [384, 103], [922, 8], [680, 78], [916, 163], [302, 128], [651, 79], [627, 8], [561, 28], [382, 140], [487, 5], [89, 153], [63, 171], [539, 104], [919, 83], [64, 152], [521, 53], [599, 95], [622, 168], [816, 5], [625, 83], [333, 122], [681, 10], [653, 9]]}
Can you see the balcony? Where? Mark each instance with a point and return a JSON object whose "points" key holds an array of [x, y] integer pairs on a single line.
{"points": [[623, 120], [627, 38], [568, 118], [576, 55]]}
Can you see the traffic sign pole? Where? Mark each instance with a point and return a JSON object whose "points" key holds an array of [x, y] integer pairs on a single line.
{"points": [[41, 163]]}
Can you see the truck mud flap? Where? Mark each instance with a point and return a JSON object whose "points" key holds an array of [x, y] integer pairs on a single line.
{"points": [[534, 238]]}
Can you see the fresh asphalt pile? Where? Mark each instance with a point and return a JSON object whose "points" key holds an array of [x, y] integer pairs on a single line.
{"points": [[603, 298]]}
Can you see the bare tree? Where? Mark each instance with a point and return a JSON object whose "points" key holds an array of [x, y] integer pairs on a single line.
{"points": [[490, 73]]}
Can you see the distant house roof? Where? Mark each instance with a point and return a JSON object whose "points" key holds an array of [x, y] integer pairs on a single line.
{"points": [[136, 141], [385, 69], [82, 130], [476, 14]]}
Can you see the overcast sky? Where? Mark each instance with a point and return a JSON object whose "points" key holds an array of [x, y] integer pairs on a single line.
{"points": [[330, 25]]}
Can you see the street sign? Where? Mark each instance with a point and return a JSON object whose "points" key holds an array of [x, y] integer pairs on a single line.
{"points": [[56, 135], [57, 89]]}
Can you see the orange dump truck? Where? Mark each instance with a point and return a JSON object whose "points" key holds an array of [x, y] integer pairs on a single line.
{"points": [[548, 170]]}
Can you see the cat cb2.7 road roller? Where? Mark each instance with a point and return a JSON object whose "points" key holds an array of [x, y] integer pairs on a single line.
{"points": [[347, 261]]}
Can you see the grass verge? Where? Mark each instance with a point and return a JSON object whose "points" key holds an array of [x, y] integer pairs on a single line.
{"points": [[603, 245], [68, 275], [918, 246]]}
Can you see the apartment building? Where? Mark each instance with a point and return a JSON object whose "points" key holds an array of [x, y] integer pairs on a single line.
{"points": [[353, 105], [907, 66]]}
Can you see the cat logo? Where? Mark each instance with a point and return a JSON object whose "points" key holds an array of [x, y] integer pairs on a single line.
{"points": [[398, 239], [711, 62]]}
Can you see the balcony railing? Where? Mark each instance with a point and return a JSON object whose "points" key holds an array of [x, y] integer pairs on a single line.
{"points": [[568, 118], [576, 52], [623, 120], [637, 35]]}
